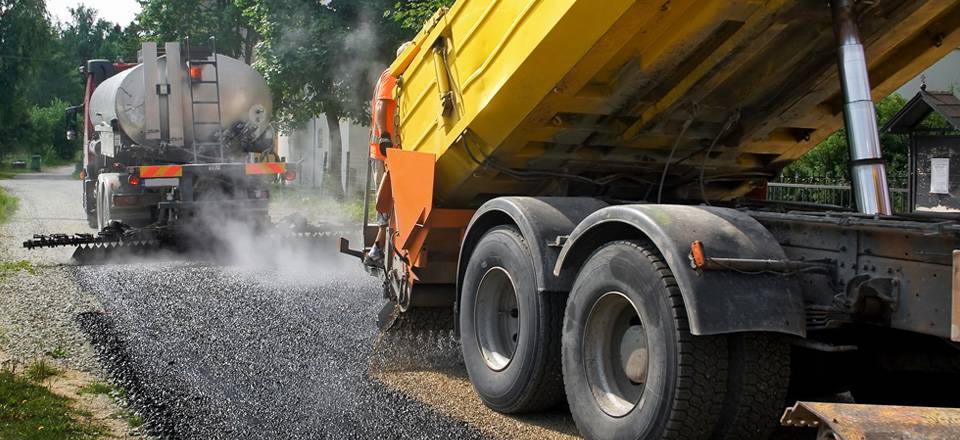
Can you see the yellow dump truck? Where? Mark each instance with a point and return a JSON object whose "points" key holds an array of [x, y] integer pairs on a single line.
{"points": [[583, 184]]}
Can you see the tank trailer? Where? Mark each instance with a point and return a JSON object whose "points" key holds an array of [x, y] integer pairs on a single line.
{"points": [[172, 145]]}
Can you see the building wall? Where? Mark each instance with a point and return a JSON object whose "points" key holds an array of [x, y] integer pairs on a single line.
{"points": [[309, 147]]}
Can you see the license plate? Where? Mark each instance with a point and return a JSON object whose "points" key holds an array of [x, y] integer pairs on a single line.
{"points": [[166, 181]]}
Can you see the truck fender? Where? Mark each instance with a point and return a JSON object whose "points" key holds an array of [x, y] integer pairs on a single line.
{"points": [[540, 220], [717, 301]]}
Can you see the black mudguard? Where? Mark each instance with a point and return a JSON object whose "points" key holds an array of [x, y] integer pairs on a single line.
{"points": [[718, 301]]}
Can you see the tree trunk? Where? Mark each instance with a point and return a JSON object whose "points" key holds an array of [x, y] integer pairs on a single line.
{"points": [[334, 182]]}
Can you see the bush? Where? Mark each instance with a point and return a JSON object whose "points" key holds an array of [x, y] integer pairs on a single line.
{"points": [[47, 135]]}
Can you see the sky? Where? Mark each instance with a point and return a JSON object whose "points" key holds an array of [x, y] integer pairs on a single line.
{"points": [[115, 11]]}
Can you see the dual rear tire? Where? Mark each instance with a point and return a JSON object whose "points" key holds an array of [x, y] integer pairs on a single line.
{"points": [[510, 334], [630, 367]]}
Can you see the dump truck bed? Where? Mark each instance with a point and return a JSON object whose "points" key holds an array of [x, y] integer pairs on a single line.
{"points": [[569, 97]]}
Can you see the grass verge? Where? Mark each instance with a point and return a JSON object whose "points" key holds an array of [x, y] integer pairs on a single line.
{"points": [[8, 268], [96, 388], [30, 411], [308, 201], [8, 205]]}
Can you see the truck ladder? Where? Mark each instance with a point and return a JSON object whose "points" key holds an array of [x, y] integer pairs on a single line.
{"points": [[200, 62]]}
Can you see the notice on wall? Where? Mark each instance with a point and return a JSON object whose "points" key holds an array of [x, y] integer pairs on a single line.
{"points": [[940, 175]]}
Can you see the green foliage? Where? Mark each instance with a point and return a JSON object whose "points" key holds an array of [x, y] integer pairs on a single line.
{"points": [[88, 37], [39, 72], [411, 14], [174, 20], [25, 36], [46, 135], [58, 352], [9, 267], [322, 57], [8, 205], [96, 388], [40, 370], [31, 412], [831, 158]]}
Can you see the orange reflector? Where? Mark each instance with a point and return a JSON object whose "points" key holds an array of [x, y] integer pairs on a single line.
{"points": [[697, 256], [152, 171], [133, 180], [83, 174], [266, 168], [196, 72]]}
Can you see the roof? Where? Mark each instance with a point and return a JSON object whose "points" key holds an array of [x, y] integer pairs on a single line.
{"points": [[912, 114]]}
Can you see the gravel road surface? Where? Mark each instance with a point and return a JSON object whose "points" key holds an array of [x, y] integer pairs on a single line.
{"points": [[268, 347]]}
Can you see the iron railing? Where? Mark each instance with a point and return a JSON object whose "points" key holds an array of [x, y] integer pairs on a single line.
{"points": [[828, 190]]}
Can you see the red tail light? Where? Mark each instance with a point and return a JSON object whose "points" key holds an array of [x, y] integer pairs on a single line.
{"points": [[290, 175], [133, 180]]}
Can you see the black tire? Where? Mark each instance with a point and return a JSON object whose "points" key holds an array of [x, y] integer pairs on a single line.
{"points": [[757, 382], [682, 392], [531, 379], [89, 205]]}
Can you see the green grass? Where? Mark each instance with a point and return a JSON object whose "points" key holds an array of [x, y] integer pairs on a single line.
{"points": [[133, 419], [8, 205], [96, 388], [31, 412], [58, 352], [307, 201], [8, 268], [40, 370]]}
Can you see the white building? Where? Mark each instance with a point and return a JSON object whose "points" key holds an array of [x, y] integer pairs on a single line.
{"points": [[310, 148]]}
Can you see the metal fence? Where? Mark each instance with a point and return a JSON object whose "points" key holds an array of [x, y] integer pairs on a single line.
{"points": [[827, 190]]}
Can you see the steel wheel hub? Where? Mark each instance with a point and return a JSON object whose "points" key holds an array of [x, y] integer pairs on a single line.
{"points": [[615, 354], [497, 318]]}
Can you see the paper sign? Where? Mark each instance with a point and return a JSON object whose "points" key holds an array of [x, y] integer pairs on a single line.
{"points": [[940, 175]]}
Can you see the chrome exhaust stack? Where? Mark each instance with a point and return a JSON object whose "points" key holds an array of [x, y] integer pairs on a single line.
{"points": [[869, 176]]}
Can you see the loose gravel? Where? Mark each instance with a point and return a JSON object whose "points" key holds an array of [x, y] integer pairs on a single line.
{"points": [[268, 345], [39, 306], [226, 352]]}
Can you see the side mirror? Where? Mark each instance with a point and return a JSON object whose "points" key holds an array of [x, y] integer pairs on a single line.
{"points": [[70, 118]]}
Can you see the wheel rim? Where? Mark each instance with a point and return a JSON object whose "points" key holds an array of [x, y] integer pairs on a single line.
{"points": [[615, 354], [497, 318]]}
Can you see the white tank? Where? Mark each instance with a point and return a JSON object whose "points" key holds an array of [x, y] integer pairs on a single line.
{"points": [[244, 98]]}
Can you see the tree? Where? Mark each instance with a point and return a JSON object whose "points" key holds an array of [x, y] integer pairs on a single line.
{"points": [[25, 35], [831, 158], [323, 57], [174, 20], [411, 14]]}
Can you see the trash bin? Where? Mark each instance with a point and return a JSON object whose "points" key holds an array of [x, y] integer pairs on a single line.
{"points": [[35, 162]]}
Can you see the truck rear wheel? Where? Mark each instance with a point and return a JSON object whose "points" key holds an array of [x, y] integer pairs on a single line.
{"points": [[510, 333], [631, 368]]}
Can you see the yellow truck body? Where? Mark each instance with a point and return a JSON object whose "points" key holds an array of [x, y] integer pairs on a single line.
{"points": [[509, 94]]}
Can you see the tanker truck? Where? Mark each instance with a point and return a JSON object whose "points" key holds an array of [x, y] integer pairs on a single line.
{"points": [[583, 187], [172, 145]]}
